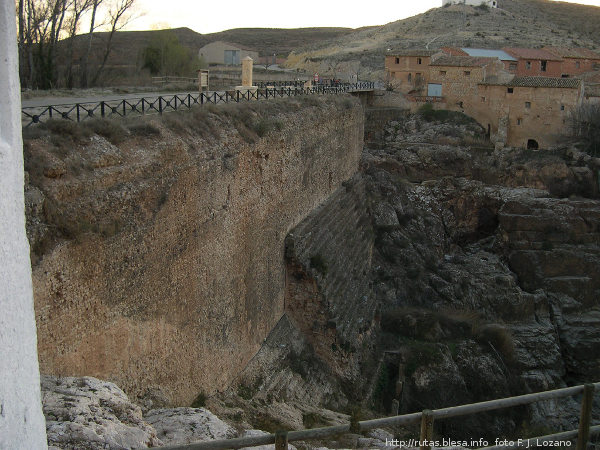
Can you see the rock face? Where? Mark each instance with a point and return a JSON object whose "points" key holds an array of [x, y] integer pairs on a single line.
{"points": [[187, 425], [92, 414], [159, 263], [87, 413], [328, 294], [487, 281]]}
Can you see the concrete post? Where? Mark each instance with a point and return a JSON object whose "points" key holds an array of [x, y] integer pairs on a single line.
{"points": [[247, 63], [22, 424]]}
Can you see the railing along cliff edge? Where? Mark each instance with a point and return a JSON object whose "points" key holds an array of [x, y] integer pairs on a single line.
{"points": [[427, 418], [78, 112]]}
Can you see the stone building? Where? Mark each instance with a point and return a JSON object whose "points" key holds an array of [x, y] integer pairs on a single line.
{"points": [[408, 70], [521, 111], [536, 62], [221, 52], [455, 78], [489, 3], [576, 61], [531, 112], [510, 62]]}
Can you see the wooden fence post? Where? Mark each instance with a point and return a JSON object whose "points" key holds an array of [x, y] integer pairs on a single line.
{"points": [[426, 430], [281, 440], [586, 417]]}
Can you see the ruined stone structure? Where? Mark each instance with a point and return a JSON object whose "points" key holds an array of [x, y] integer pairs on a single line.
{"points": [[177, 274], [22, 424], [488, 3]]}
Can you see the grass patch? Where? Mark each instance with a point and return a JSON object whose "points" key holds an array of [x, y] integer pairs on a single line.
{"points": [[318, 263], [421, 354], [266, 423], [143, 129], [199, 401], [266, 125], [111, 130], [314, 420], [498, 337], [247, 392], [443, 115]]}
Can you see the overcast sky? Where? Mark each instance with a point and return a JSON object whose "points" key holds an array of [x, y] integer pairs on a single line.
{"points": [[210, 16]]}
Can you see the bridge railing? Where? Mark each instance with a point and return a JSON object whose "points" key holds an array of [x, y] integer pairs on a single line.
{"points": [[79, 112], [426, 419]]}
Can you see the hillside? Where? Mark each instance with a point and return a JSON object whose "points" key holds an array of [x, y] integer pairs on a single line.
{"points": [[531, 23], [129, 44]]}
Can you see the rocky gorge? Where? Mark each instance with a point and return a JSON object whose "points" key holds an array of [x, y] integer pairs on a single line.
{"points": [[442, 272]]}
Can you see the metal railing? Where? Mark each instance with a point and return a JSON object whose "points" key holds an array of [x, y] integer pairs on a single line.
{"points": [[425, 98], [426, 419], [79, 112], [171, 79], [280, 83]]}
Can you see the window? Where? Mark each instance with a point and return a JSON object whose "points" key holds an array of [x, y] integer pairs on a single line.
{"points": [[442, 72], [528, 105], [565, 75], [528, 65], [409, 77], [482, 99], [577, 64], [467, 73], [562, 107], [510, 90], [397, 60], [543, 65], [519, 121], [419, 60], [512, 67]]}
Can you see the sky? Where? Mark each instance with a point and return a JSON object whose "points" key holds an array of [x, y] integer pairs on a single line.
{"points": [[211, 16]]}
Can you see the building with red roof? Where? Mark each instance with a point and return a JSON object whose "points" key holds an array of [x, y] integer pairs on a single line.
{"points": [[533, 62]]}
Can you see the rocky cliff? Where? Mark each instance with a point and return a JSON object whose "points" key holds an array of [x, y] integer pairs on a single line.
{"points": [[485, 266], [158, 258], [442, 273]]}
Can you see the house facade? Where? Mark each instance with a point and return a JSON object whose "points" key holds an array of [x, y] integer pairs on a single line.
{"points": [[455, 78], [533, 62], [408, 70], [576, 61], [529, 112], [225, 53]]}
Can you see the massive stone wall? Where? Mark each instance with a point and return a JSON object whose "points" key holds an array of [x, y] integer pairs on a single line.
{"points": [[21, 419], [174, 271], [329, 296]]}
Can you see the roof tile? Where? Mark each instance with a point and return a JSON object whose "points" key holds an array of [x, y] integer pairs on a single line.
{"points": [[531, 53]]}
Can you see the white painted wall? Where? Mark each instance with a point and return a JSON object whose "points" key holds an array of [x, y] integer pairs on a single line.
{"points": [[490, 3], [22, 424]]}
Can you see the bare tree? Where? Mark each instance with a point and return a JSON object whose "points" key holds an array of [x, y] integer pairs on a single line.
{"points": [[43, 23], [120, 14], [77, 10], [585, 126], [86, 57]]}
